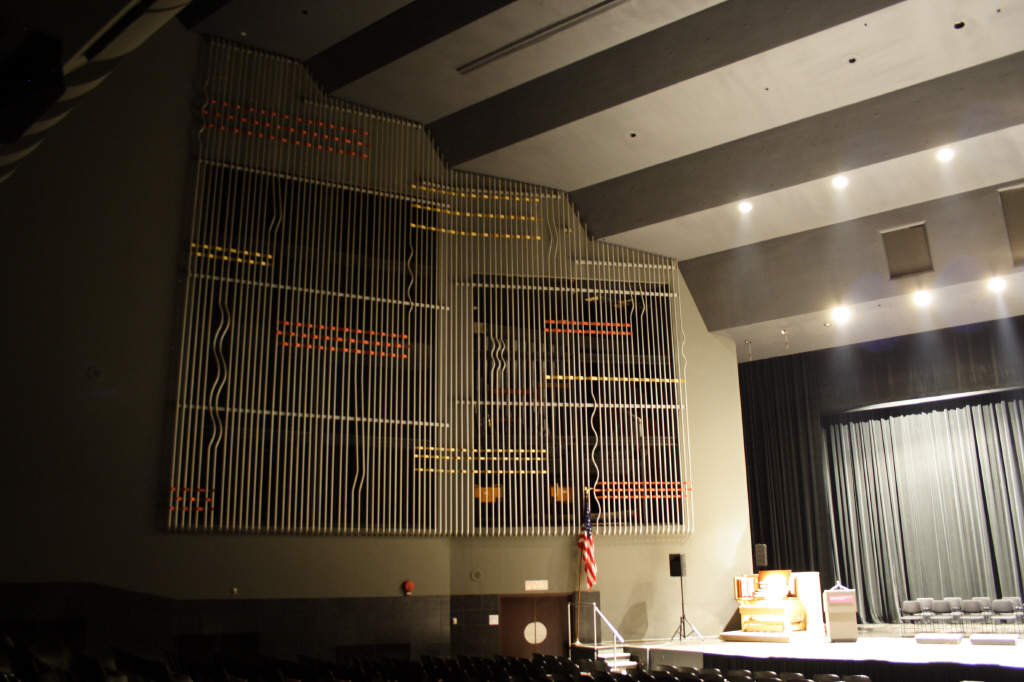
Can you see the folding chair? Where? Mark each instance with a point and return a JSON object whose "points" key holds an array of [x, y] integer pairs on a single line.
{"points": [[972, 616], [911, 615], [942, 618], [1004, 616]]}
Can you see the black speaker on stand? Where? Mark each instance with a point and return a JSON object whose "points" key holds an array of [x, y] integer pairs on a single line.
{"points": [[677, 568]]}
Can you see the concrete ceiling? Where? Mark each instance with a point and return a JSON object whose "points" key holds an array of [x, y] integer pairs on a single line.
{"points": [[660, 116]]}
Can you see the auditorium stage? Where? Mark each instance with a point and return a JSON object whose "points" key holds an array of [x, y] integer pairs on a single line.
{"points": [[879, 652]]}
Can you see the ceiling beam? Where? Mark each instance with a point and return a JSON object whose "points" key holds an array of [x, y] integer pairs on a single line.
{"points": [[398, 34], [954, 107], [722, 34], [845, 264]]}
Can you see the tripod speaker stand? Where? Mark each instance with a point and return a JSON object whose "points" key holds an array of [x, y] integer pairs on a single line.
{"points": [[677, 567]]}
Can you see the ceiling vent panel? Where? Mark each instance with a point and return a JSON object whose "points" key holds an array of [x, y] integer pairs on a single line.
{"points": [[1013, 214], [906, 249]]}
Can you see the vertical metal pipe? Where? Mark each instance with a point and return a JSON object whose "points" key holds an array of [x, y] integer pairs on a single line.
{"points": [[271, 427]]}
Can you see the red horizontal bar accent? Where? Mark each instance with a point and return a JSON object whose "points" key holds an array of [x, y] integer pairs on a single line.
{"points": [[286, 116], [591, 324], [622, 484], [291, 130], [586, 331], [298, 142]]}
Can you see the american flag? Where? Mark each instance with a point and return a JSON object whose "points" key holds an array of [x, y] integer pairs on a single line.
{"points": [[586, 543]]}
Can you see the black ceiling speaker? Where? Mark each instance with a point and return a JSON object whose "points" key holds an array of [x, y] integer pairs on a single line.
{"points": [[31, 81]]}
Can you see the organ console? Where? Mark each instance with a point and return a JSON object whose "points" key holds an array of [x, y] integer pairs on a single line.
{"points": [[773, 604]]}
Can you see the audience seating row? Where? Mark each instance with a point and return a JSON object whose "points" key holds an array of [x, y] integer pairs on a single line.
{"points": [[716, 675], [79, 667]]}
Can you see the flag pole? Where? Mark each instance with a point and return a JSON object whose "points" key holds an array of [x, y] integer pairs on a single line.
{"points": [[579, 579]]}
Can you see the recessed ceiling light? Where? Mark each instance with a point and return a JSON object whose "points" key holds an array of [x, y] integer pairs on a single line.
{"points": [[841, 314], [997, 284], [828, 324], [922, 298], [840, 181], [746, 206], [945, 154]]}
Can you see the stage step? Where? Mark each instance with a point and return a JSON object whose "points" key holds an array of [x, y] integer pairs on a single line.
{"points": [[998, 640], [617, 659], [939, 638]]}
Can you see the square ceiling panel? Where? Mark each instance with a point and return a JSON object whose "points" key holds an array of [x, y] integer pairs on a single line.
{"points": [[907, 251], [1013, 214]]}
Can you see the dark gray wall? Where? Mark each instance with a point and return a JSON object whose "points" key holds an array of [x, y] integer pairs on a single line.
{"points": [[92, 227], [96, 617]]}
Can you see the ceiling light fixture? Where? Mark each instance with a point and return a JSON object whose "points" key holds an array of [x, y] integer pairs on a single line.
{"points": [[997, 284], [746, 206], [828, 324], [945, 154], [840, 181], [922, 298], [841, 314]]}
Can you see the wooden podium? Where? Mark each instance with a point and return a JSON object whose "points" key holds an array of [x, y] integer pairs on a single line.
{"points": [[776, 604]]}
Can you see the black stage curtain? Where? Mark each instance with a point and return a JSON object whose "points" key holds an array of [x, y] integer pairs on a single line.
{"points": [[786, 474], [783, 400], [928, 501]]}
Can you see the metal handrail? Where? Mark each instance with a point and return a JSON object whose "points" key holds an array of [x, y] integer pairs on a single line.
{"points": [[596, 612], [608, 623]]}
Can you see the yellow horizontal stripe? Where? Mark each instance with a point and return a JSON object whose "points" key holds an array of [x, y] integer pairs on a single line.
{"points": [[482, 458], [207, 247], [474, 234], [469, 214], [436, 449], [471, 195], [640, 380], [477, 471]]}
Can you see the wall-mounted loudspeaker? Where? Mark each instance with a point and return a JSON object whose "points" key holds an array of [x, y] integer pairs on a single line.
{"points": [[760, 555], [677, 565]]}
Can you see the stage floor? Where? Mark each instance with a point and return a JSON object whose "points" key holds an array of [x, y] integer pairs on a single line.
{"points": [[874, 643]]}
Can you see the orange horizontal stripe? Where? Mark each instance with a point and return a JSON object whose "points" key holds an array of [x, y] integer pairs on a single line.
{"points": [[298, 142], [609, 484], [586, 331], [291, 130], [365, 342], [586, 323], [286, 116]]}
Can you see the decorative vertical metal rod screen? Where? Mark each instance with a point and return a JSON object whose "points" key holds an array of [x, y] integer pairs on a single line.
{"points": [[376, 344]]}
